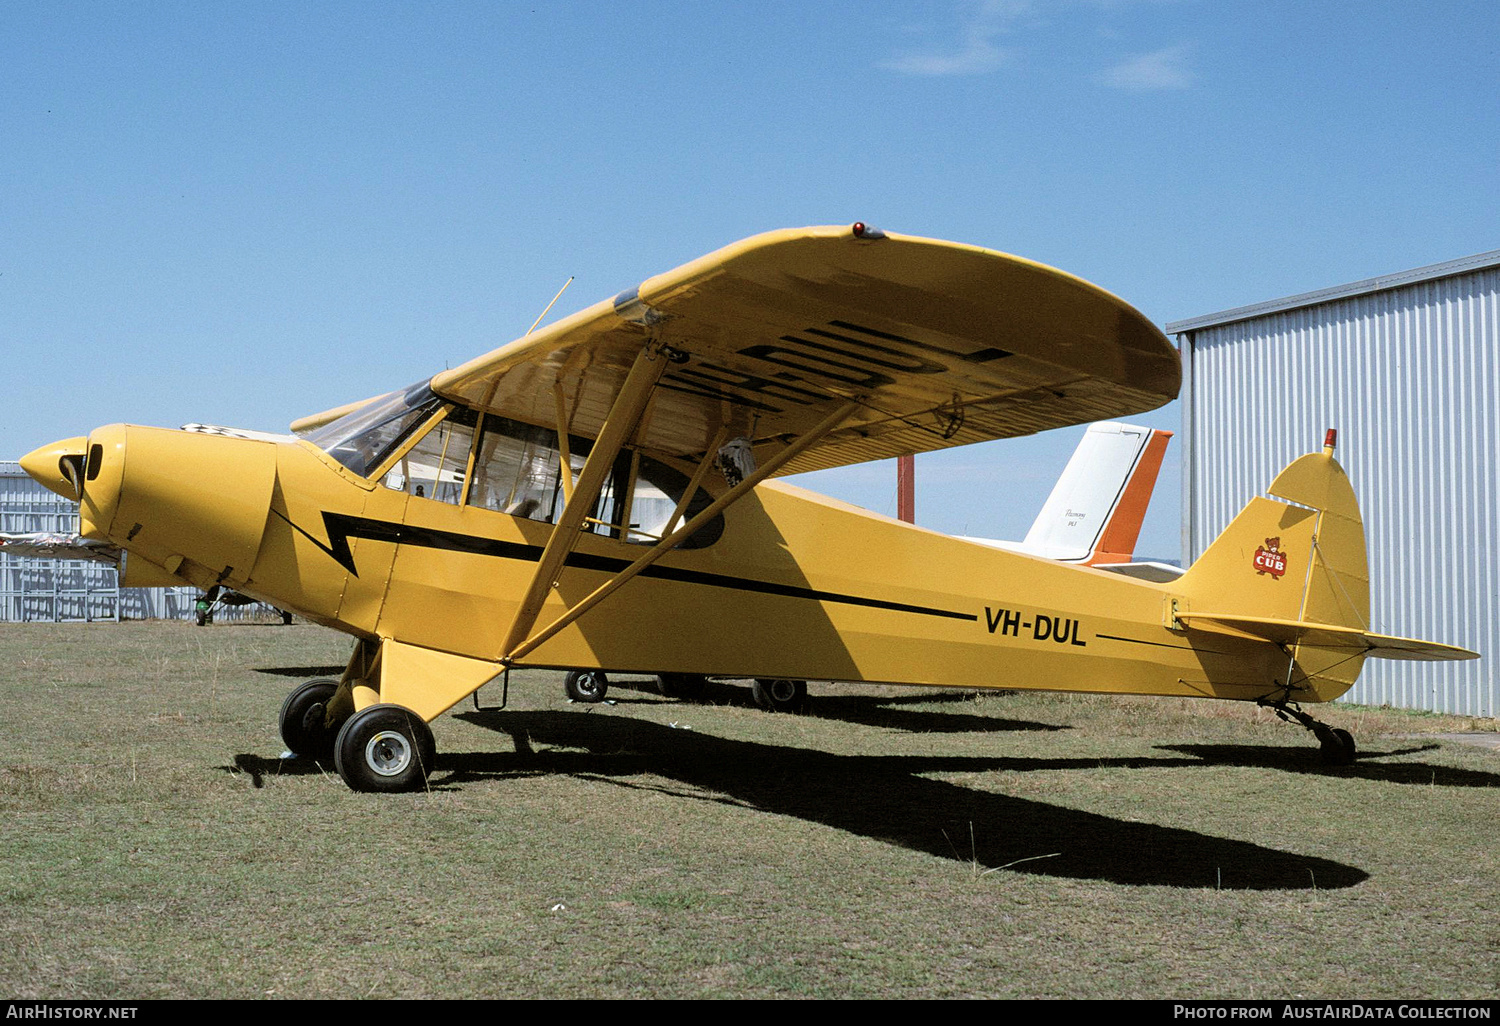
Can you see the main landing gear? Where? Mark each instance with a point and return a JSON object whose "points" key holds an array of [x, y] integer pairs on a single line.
{"points": [[1335, 743], [592, 685], [779, 694], [774, 694], [379, 748], [385, 748]]}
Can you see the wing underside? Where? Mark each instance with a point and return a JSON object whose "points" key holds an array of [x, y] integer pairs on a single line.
{"points": [[939, 344]]}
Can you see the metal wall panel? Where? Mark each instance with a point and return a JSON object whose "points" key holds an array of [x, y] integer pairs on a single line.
{"points": [[1410, 376], [48, 589], [78, 589]]}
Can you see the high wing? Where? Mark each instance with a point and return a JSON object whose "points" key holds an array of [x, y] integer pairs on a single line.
{"points": [[939, 344]]}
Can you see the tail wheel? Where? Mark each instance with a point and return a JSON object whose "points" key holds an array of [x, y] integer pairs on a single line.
{"points": [[682, 685], [586, 685], [1335, 744], [385, 748], [302, 719], [779, 694]]}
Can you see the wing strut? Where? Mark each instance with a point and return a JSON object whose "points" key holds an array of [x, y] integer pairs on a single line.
{"points": [[563, 454], [667, 544], [623, 417], [704, 466]]}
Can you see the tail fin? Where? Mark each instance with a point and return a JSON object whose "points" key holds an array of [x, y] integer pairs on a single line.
{"points": [[1095, 510], [1295, 573]]}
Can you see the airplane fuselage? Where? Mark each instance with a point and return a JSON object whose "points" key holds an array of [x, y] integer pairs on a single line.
{"points": [[795, 585]]}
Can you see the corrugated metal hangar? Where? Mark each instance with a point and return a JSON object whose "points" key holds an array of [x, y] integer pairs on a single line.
{"points": [[1407, 368], [76, 589], [48, 589]]}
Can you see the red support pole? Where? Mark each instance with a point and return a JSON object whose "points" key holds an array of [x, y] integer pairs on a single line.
{"points": [[906, 489]]}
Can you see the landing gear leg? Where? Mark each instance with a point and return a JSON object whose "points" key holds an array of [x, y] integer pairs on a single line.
{"points": [[1336, 744]]}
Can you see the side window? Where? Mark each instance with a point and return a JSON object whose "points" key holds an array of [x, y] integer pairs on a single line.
{"points": [[654, 495], [653, 500], [516, 470], [434, 467]]}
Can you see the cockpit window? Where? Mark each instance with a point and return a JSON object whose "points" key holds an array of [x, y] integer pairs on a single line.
{"points": [[654, 490], [518, 470], [433, 467], [362, 439]]}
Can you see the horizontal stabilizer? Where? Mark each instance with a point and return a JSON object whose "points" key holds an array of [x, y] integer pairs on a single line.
{"points": [[1325, 635]]}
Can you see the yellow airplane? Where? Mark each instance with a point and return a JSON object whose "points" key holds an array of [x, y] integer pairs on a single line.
{"points": [[598, 494]]}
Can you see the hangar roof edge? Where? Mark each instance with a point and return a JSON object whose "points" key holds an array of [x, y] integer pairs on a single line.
{"points": [[1446, 269]]}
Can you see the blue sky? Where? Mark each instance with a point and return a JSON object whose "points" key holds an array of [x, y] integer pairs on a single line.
{"points": [[244, 212]]}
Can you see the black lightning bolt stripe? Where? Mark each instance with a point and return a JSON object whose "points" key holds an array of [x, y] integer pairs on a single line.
{"points": [[341, 527], [1158, 644]]}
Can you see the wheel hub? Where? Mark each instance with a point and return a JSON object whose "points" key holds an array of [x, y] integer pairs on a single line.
{"points": [[388, 753], [312, 720]]}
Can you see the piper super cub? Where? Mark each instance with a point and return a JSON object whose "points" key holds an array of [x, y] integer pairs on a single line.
{"points": [[598, 494]]}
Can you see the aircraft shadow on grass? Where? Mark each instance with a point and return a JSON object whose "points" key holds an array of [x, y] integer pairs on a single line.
{"points": [[303, 671], [875, 711], [867, 710], [888, 798], [1367, 764]]}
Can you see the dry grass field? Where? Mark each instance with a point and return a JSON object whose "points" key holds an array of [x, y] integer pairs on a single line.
{"points": [[894, 843]]}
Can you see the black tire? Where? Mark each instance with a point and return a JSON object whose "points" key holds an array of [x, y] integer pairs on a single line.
{"points": [[1346, 741], [385, 748], [586, 685], [1336, 746], [302, 719], [779, 694], [682, 685]]}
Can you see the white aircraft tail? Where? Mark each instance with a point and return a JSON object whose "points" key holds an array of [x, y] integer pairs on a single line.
{"points": [[1094, 513]]}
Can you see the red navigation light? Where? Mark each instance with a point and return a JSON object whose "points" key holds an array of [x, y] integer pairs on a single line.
{"points": [[1331, 439]]}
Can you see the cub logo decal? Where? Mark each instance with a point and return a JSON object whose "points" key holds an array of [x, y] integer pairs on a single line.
{"points": [[1269, 559]]}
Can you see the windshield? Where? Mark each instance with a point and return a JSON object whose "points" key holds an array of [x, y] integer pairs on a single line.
{"points": [[362, 440]]}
